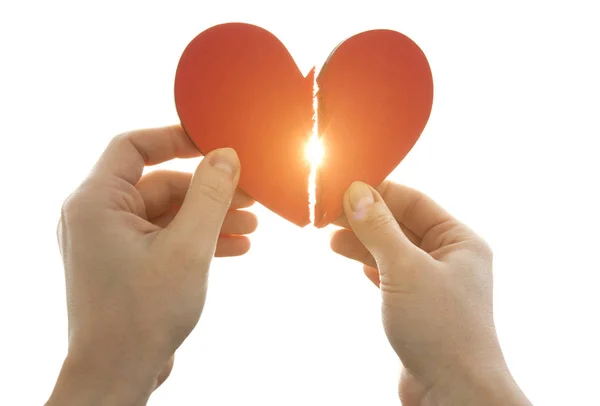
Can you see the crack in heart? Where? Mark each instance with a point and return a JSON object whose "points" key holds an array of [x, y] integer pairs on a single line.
{"points": [[238, 86], [315, 154]]}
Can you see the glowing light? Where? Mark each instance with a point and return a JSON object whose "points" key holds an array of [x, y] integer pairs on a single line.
{"points": [[314, 151], [314, 155]]}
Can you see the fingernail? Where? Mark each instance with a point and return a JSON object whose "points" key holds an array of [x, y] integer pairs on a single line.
{"points": [[225, 160], [360, 197]]}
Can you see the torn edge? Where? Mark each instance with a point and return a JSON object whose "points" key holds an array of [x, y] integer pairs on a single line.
{"points": [[313, 144]]}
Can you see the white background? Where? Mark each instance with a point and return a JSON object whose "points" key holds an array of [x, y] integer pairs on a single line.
{"points": [[511, 149]]}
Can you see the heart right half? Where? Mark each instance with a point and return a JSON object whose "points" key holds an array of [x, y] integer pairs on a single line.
{"points": [[375, 98]]}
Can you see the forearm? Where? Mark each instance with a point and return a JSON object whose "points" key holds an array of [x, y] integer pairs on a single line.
{"points": [[82, 382]]}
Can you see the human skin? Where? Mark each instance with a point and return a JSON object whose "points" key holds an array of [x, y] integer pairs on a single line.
{"points": [[435, 277], [136, 253]]}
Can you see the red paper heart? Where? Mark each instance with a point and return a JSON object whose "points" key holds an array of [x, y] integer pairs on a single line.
{"points": [[237, 86]]}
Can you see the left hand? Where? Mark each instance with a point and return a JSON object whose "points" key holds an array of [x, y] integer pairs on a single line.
{"points": [[137, 252]]}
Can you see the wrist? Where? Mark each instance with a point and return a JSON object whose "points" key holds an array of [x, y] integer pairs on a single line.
{"points": [[485, 383], [93, 381]]}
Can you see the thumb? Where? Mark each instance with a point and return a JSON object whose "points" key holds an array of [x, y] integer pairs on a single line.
{"points": [[375, 226], [207, 201]]}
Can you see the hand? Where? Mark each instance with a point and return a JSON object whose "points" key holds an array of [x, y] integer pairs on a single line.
{"points": [[435, 276], [136, 252]]}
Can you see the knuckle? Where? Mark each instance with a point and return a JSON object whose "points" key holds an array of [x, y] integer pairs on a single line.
{"points": [[71, 208], [479, 250], [127, 139], [447, 232], [126, 197], [379, 221], [79, 205], [484, 249], [121, 138], [215, 190], [158, 175]]}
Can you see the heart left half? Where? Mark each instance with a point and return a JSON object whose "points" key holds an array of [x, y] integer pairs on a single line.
{"points": [[238, 86]]}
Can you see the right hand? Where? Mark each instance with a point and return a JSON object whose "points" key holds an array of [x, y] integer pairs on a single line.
{"points": [[435, 276]]}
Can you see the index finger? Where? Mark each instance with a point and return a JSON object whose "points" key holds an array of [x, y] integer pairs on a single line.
{"points": [[128, 153]]}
